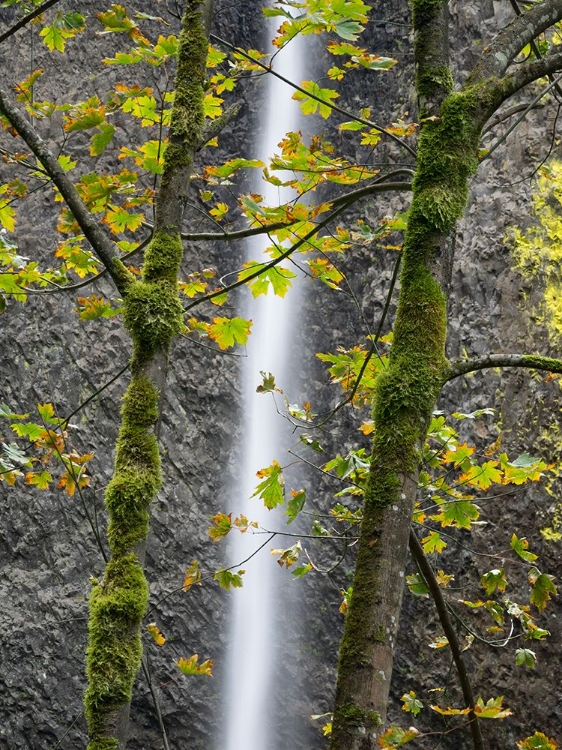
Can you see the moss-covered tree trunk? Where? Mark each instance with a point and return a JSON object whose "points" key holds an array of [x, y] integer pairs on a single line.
{"points": [[407, 391], [153, 316]]}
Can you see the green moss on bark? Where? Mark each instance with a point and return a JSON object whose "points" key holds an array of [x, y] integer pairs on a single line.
{"points": [[114, 651], [153, 315], [163, 258]]}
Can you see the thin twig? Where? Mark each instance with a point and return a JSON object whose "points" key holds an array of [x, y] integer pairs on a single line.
{"points": [[94, 395], [435, 591], [211, 576], [146, 671]]}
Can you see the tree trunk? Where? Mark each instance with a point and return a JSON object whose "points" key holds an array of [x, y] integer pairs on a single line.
{"points": [[153, 316], [407, 390]]}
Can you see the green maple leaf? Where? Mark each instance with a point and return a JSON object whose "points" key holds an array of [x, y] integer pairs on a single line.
{"points": [[272, 487], [120, 220], [494, 579], [538, 741], [483, 475], [492, 709], [39, 479], [525, 657], [278, 278], [396, 737], [520, 547], [229, 331], [459, 513], [102, 139], [228, 580], [411, 704], [433, 543], [222, 525], [543, 586], [310, 105], [295, 504], [417, 586]]}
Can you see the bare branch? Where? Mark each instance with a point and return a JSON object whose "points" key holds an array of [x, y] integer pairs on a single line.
{"points": [[435, 591], [100, 242], [378, 186], [529, 361], [508, 113], [27, 18], [526, 111]]}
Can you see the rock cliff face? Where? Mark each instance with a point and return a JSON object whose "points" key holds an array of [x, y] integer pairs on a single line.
{"points": [[48, 550]]}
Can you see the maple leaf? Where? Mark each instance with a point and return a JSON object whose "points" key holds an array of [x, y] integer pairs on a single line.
{"points": [[494, 579], [90, 308], [192, 576], [289, 556], [228, 580], [492, 709], [397, 737], [156, 634], [411, 703], [39, 479], [222, 524], [520, 547], [483, 475], [543, 586], [310, 105], [433, 543], [538, 741], [191, 666], [229, 331], [272, 489]]}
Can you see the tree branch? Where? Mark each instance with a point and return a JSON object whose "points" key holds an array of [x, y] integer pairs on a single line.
{"points": [[534, 103], [239, 234], [330, 104], [528, 72], [530, 361], [214, 127], [508, 113], [27, 18], [435, 591], [100, 242], [534, 46], [342, 205], [501, 52]]}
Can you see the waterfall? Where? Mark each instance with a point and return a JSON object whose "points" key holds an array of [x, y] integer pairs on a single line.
{"points": [[252, 636]]}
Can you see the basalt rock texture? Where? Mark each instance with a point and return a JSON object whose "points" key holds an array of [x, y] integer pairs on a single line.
{"points": [[48, 551]]}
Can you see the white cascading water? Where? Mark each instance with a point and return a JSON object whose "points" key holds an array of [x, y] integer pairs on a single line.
{"points": [[251, 669]]}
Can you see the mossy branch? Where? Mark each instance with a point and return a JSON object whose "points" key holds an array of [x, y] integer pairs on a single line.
{"points": [[529, 361], [213, 128]]}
